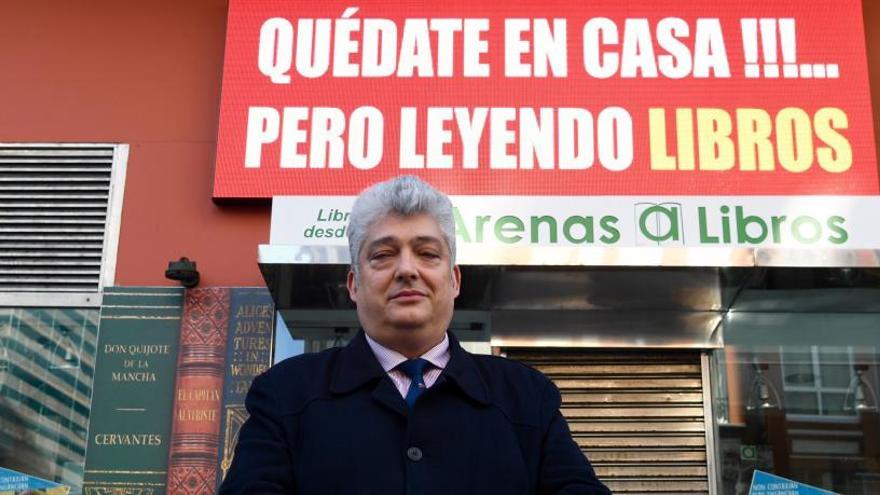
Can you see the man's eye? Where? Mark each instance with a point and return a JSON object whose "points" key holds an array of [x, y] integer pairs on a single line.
{"points": [[431, 254], [380, 255]]}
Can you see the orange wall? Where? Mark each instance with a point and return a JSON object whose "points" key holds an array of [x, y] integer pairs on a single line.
{"points": [[148, 73], [145, 73]]}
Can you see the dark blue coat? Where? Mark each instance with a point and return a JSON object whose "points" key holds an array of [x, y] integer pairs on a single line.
{"points": [[333, 423]]}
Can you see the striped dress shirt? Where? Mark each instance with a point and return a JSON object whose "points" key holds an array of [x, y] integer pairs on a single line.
{"points": [[438, 356]]}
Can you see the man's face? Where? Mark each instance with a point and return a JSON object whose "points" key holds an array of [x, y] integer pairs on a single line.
{"points": [[406, 291]]}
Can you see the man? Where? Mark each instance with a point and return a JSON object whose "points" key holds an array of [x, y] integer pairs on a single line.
{"points": [[403, 408]]}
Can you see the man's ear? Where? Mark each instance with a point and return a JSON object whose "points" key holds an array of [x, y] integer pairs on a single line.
{"points": [[351, 283], [456, 280]]}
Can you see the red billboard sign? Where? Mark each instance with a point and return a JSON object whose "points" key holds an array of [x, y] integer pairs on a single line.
{"points": [[756, 97]]}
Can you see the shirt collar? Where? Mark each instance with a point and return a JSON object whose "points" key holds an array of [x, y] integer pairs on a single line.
{"points": [[389, 359], [356, 364]]}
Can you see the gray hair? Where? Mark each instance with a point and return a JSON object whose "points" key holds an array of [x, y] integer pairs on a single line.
{"points": [[402, 196]]}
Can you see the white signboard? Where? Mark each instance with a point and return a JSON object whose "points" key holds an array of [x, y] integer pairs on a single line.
{"points": [[799, 222]]}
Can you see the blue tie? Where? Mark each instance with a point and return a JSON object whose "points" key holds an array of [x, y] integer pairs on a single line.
{"points": [[414, 369]]}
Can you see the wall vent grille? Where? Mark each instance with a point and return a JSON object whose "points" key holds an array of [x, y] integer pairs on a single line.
{"points": [[54, 203]]}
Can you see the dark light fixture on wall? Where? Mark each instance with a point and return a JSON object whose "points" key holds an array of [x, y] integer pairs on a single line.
{"points": [[184, 271], [860, 396], [762, 393]]}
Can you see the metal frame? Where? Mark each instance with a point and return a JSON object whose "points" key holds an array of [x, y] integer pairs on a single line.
{"points": [[114, 215], [620, 329], [48, 299], [712, 461]]}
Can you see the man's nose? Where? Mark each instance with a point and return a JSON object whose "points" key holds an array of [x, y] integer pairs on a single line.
{"points": [[407, 267]]}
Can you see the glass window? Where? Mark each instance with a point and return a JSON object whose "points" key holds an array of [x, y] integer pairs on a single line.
{"points": [[47, 359], [816, 379], [798, 400], [285, 345], [308, 339]]}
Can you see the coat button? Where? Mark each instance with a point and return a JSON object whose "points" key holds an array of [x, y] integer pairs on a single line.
{"points": [[414, 454]]}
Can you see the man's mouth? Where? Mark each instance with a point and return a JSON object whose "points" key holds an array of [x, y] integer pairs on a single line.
{"points": [[408, 294]]}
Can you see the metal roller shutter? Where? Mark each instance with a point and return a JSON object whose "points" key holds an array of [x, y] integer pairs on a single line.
{"points": [[638, 416]]}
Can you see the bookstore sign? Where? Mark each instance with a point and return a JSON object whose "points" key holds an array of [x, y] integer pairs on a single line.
{"points": [[797, 222], [665, 125]]}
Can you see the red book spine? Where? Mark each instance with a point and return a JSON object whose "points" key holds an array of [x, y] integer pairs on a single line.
{"points": [[195, 431]]}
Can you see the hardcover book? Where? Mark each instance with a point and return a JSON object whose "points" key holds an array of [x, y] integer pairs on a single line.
{"points": [[130, 423], [192, 460], [248, 353]]}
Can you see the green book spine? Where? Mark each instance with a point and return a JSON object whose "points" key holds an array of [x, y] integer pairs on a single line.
{"points": [[130, 423]]}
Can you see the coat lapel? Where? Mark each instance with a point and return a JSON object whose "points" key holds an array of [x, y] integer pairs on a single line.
{"points": [[356, 367], [463, 371], [387, 394]]}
